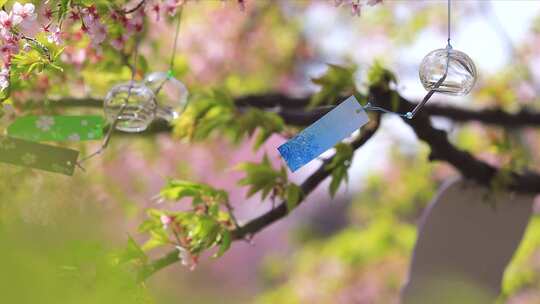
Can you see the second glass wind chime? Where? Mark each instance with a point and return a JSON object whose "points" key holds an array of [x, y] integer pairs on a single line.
{"points": [[445, 71]]}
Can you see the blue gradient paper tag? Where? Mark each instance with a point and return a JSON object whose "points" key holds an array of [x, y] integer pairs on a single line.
{"points": [[324, 134]]}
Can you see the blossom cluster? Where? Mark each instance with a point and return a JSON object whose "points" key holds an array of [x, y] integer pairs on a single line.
{"points": [[12, 28], [21, 26], [356, 5], [186, 257], [109, 25]]}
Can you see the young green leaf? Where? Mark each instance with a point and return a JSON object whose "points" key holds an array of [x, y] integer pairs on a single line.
{"points": [[339, 166], [132, 252], [158, 237], [336, 82], [178, 189], [261, 177], [294, 195], [224, 243]]}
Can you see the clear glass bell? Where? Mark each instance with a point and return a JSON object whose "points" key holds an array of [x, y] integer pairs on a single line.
{"points": [[171, 94], [461, 75], [138, 103]]}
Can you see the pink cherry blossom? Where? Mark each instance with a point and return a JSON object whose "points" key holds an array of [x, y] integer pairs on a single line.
{"points": [[356, 5], [356, 9], [55, 35], [97, 33], [4, 79], [48, 14], [8, 21], [373, 2], [242, 4], [89, 20], [156, 9], [171, 6], [26, 12], [9, 47], [136, 23], [166, 221], [119, 42], [74, 56], [187, 258]]}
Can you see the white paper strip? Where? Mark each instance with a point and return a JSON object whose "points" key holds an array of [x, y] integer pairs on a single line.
{"points": [[324, 134]]}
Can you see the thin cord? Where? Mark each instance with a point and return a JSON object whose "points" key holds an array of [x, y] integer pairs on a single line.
{"points": [[412, 114], [449, 20], [176, 35], [170, 72], [369, 107], [108, 136]]}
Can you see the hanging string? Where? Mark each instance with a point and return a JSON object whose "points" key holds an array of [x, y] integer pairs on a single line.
{"points": [[175, 45], [170, 71], [449, 21], [412, 114], [170, 74], [369, 107], [113, 125]]}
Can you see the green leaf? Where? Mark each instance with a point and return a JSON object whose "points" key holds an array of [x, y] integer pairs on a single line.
{"points": [[224, 243], [261, 177], [378, 74], [339, 166], [294, 195], [63, 8], [336, 82], [267, 123], [158, 237], [132, 252], [339, 174], [149, 225], [206, 113], [178, 189]]}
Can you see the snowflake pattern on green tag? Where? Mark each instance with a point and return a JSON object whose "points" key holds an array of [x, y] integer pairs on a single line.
{"points": [[57, 128], [38, 156]]}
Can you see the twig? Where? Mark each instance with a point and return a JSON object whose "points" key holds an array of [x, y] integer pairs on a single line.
{"points": [[136, 8], [274, 214]]}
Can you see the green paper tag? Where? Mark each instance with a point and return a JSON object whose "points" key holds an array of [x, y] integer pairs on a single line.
{"points": [[57, 128], [38, 156]]}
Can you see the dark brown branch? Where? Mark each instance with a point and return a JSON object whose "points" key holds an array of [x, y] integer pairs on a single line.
{"points": [[293, 110], [275, 214], [488, 116], [307, 186], [134, 9], [443, 150], [273, 100]]}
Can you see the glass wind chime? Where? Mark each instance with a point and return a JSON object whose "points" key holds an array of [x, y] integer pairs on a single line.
{"points": [[128, 107], [131, 107], [445, 71]]}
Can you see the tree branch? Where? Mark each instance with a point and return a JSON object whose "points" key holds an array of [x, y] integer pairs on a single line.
{"points": [[489, 116], [135, 8], [275, 214], [307, 186], [293, 111], [441, 148]]}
